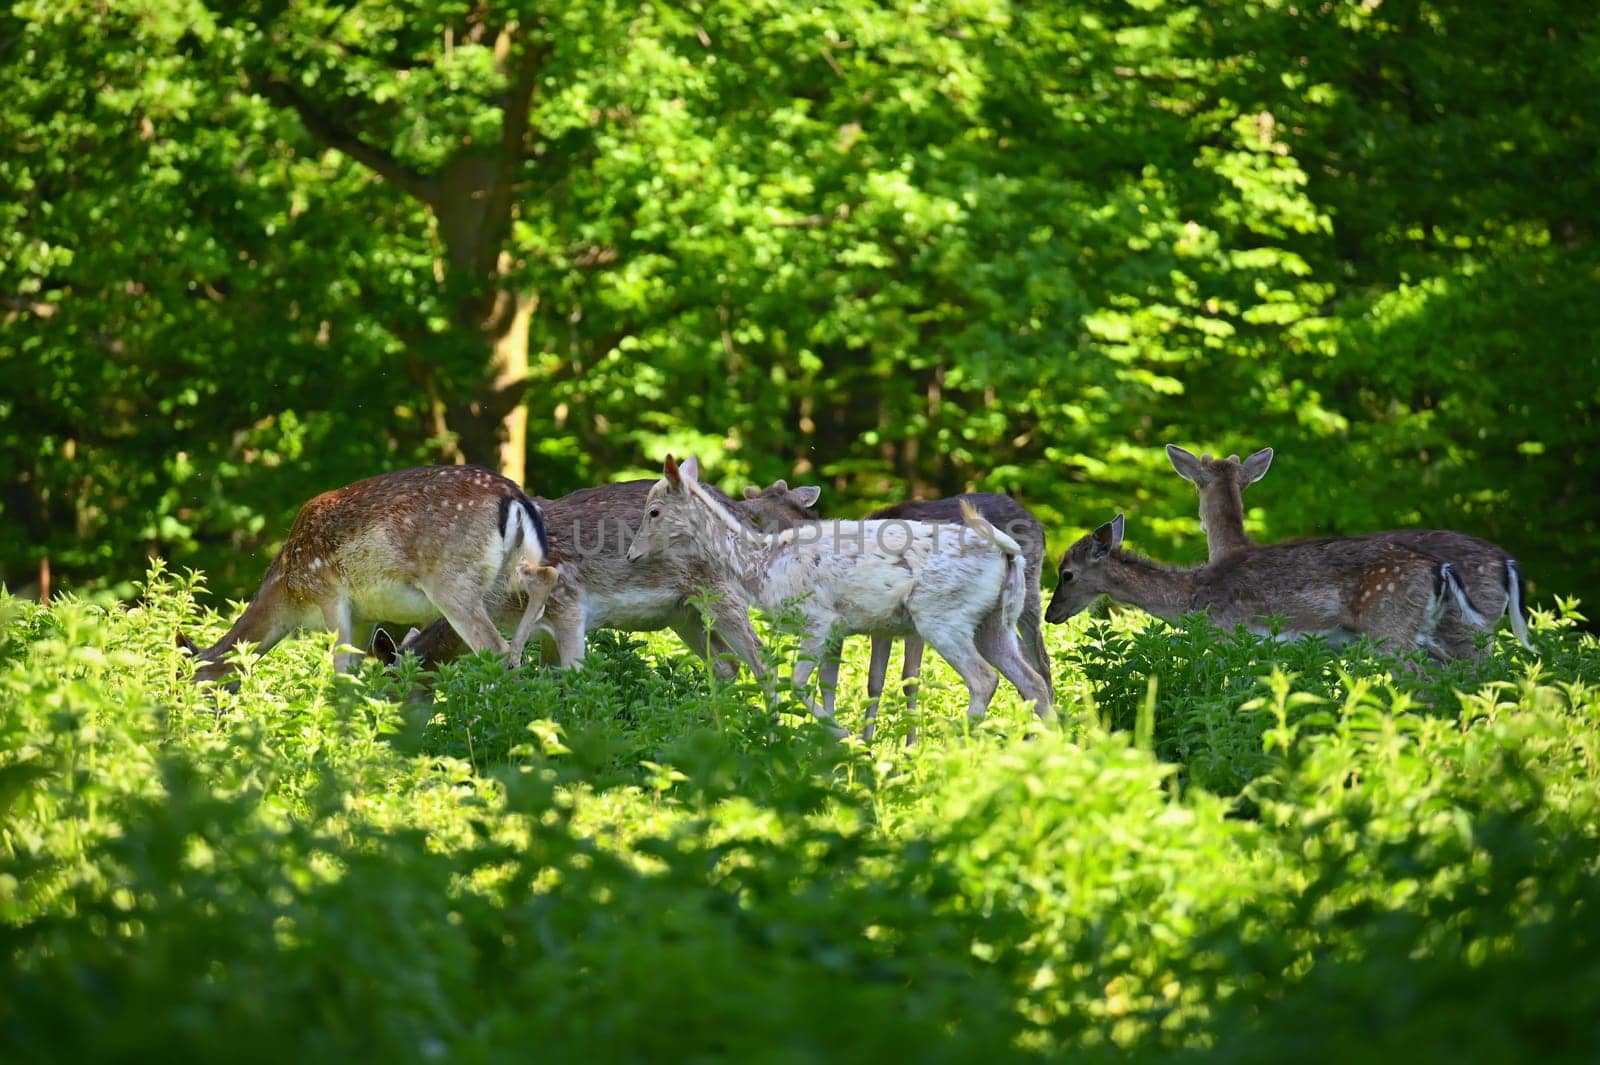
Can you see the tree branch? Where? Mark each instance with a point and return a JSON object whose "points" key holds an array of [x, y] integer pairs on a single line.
{"points": [[334, 135]]}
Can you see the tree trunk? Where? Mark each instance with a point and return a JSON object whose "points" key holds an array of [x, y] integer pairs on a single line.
{"points": [[480, 372]]}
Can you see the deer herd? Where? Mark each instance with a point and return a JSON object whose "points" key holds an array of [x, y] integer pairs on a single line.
{"points": [[464, 555]]}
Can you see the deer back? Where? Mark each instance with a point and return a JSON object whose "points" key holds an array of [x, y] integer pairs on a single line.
{"points": [[1001, 511], [400, 526], [1321, 585], [1485, 568]]}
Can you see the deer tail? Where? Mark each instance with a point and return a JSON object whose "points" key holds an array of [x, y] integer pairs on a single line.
{"points": [[1013, 587], [1519, 623], [522, 526], [982, 527]]}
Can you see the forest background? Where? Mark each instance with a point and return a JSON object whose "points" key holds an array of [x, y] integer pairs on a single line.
{"points": [[251, 251]]}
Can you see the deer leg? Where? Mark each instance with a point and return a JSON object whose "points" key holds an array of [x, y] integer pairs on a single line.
{"points": [[911, 681], [466, 612], [998, 645], [690, 627], [813, 649], [963, 655], [829, 674], [337, 616], [564, 622], [1033, 639], [881, 646], [911, 670]]}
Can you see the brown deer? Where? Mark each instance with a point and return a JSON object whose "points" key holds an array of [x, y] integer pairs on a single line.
{"points": [[409, 546], [1339, 588], [598, 587], [960, 589], [1491, 576], [1003, 513]]}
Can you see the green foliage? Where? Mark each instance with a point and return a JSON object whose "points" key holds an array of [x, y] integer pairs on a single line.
{"points": [[633, 862]]}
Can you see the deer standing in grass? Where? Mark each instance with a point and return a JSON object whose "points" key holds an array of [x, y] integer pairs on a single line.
{"points": [[960, 589], [1491, 577], [597, 587], [1339, 588], [1003, 513], [409, 546]]}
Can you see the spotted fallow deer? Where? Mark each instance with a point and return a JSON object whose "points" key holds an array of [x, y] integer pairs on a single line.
{"points": [[409, 546], [598, 587], [960, 589], [1339, 588], [1016, 521], [1491, 577]]}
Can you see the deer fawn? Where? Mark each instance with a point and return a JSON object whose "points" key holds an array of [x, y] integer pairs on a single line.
{"points": [[598, 587], [1491, 577], [960, 592], [405, 546], [1341, 588], [1003, 513]]}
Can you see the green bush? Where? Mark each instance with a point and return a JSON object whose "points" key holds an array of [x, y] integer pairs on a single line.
{"points": [[1286, 852]]}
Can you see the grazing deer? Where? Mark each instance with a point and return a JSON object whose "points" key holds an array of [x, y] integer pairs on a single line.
{"points": [[408, 546], [598, 587], [1003, 513], [1491, 576], [1340, 588], [960, 589]]}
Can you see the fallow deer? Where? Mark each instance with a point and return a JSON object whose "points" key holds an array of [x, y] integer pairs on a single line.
{"points": [[1340, 588], [1491, 577], [598, 587], [409, 546], [1004, 513], [960, 589]]}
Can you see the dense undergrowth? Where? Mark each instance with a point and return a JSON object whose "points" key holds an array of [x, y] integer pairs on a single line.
{"points": [[1221, 846]]}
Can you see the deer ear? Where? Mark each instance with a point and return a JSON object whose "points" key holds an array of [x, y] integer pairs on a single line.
{"points": [[1255, 467], [807, 494], [185, 644], [1108, 537], [383, 646], [669, 470], [1186, 464], [689, 469]]}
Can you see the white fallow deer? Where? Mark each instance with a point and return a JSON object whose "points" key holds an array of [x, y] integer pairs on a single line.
{"points": [[958, 588], [1491, 577], [408, 546], [1003, 513], [1339, 588]]}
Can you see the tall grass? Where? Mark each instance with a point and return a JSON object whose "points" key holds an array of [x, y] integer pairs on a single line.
{"points": [[1222, 846]]}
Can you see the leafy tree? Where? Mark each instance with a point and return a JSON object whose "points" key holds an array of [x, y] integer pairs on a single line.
{"points": [[254, 250]]}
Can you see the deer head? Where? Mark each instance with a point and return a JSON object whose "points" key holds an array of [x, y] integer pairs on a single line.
{"points": [[1079, 579]]}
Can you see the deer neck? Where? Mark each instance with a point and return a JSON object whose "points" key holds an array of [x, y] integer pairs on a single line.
{"points": [[1222, 518], [1164, 591], [738, 553]]}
